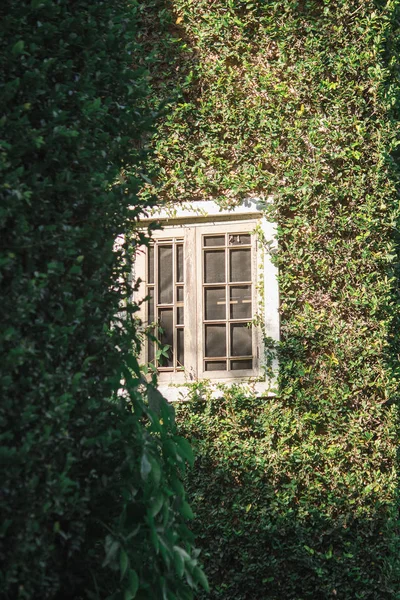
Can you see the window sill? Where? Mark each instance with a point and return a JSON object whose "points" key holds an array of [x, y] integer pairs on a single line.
{"points": [[181, 393]]}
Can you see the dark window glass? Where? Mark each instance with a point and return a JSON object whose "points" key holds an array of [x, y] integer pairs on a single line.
{"points": [[165, 283], [215, 340], [238, 365], [240, 265], [214, 266], [167, 335], [239, 239], [150, 264], [241, 344], [179, 263], [181, 347], [240, 302], [214, 240], [215, 304], [215, 365]]}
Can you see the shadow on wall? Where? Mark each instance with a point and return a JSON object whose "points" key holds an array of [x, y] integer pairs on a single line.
{"points": [[285, 509]]}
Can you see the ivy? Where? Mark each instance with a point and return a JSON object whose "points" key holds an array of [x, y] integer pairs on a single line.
{"points": [[295, 497]]}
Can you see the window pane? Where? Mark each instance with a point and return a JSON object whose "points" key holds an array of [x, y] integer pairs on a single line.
{"points": [[215, 340], [217, 365], [179, 263], [214, 266], [180, 315], [150, 306], [150, 319], [240, 302], [150, 349], [165, 274], [240, 267], [241, 340], [215, 304], [237, 365], [150, 264], [181, 347], [167, 335], [214, 240], [239, 239]]}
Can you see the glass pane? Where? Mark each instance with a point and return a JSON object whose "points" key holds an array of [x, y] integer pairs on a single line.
{"points": [[240, 302], [215, 304], [150, 305], [181, 347], [237, 365], [215, 340], [179, 263], [150, 349], [166, 335], [180, 315], [241, 340], [218, 365], [214, 240], [165, 274], [236, 239], [150, 264], [150, 319], [179, 294], [240, 265], [214, 266]]}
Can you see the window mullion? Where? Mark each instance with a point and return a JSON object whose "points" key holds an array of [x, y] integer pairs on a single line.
{"points": [[156, 300], [174, 309], [191, 299], [228, 306]]}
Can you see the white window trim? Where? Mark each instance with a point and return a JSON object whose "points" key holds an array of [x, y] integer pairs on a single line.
{"points": [[208, 213]]}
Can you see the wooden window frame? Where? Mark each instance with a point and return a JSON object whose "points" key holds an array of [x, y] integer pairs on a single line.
{"points": [[226, 228], [191, 226]]}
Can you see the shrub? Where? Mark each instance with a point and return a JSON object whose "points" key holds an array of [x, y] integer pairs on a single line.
{"points": [[288, 506], [91, 501]]}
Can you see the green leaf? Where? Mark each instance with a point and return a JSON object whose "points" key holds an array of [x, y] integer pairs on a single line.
{"points": [[179, 563], [199, 576], [18, 48], [157, 505], [123, 563], [186, 511], [155, 472], [111, 547], [156, 400], [133, 585], [133, 364], [185, 450], [145, 467]]}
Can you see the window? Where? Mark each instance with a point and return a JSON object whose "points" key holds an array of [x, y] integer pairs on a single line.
{"points": [[202, 277]]}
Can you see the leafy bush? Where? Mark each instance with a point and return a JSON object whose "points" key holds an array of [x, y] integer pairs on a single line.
{"points": [[286, 507], [91, 501], [298, 100]]}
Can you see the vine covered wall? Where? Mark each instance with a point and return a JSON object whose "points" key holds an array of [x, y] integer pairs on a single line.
{"points": [[295, 496]]}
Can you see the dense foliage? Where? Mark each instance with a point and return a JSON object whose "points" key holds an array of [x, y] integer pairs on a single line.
{"points": [[295, 497], [286, 509], [91, 501]]}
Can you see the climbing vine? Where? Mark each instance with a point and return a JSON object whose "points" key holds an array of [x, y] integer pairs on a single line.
{"points": [[295, 496]]}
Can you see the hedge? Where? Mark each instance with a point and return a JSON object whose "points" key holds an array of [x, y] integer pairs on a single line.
{"points": [[91, 499], [296, 496]]}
